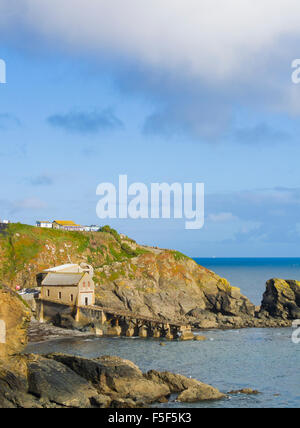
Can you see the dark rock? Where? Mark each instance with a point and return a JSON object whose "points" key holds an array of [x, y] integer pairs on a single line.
{"points": [[281, 299], [13, 392], [101, 401], [53, 381], [246, 391], [115, 377]]}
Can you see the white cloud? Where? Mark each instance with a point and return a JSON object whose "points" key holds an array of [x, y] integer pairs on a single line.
{"points": [[197, 59], [211, 39]]}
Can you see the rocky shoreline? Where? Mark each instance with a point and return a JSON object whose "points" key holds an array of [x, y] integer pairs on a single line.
{"points": [[41, 332], [63, 381], [66, 381]]}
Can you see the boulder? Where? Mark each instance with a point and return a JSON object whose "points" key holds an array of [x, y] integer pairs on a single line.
{"points": [[281, 299], [175, 382], [200, 338], [190, 390], [246, 391], [200, 392]]}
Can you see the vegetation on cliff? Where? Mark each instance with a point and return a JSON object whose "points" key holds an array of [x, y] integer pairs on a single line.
{"points": [[26, 250]]}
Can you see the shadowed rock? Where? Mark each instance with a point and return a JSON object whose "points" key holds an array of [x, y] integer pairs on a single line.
{"points": [[56, 383], [282, 299], [115, 377]]}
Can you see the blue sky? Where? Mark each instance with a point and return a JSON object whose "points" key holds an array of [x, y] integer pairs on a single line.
{"points": [[175, 93]]}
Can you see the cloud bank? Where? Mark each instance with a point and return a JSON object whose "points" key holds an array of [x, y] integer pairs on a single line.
{"points": [[205, 57]]}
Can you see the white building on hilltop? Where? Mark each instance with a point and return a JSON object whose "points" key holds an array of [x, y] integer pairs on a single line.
{"points": [[46, 224]]}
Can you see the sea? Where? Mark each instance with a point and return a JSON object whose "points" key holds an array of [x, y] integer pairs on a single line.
{"points": [[266, 360]]}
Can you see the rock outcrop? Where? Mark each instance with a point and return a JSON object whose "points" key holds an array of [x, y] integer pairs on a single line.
{"points": [[115, 377], [281, 299], [190, 390], [59, 380]]}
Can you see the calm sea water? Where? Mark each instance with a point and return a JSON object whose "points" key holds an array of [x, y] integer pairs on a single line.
{"points": [[263, 359], [250, 275]]}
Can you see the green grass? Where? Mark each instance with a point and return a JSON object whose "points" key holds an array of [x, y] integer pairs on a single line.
{"points": [[179, 256], [21, 244], [113, 232]]}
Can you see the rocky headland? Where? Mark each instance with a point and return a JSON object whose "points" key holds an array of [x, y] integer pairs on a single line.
{"points": [[149, 281]]}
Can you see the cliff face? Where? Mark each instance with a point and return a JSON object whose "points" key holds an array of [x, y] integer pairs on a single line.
{"points": [[14, 317], [128, 276], [169, 285]]}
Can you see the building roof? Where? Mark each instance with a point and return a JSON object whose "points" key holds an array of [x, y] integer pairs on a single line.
{"points": [[66, 223], [42, 221], [69, 268], [60, 279]]}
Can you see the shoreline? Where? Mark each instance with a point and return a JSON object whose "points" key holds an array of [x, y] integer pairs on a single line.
{"points": [[40, 333]]}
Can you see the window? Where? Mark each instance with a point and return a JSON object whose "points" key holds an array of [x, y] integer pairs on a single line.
{"points": [[72, 297], [48, 293], [59, 295], [86, 301]]}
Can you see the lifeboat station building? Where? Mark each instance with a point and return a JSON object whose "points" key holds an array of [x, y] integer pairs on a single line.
{"points": [[68, 284]]}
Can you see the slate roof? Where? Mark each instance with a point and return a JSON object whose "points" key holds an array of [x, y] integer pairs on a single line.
{"points": [[60, 279]]}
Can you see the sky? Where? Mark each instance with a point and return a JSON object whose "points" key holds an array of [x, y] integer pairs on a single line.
{"points": [[193, 91]]}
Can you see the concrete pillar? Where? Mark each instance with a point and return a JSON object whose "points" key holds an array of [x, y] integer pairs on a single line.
{"points": [[169, 335], [98, 331], [187, 335], [143, 332], [156, 333], [41, 317], [77, 317], [114, 331], [130, 332], [102, 317]]}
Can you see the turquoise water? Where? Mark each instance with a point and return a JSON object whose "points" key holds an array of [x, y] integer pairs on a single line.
{"points": [[263, 359]]}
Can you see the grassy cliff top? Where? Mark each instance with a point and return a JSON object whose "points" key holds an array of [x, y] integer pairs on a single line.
{"points": [[26, 250]]}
